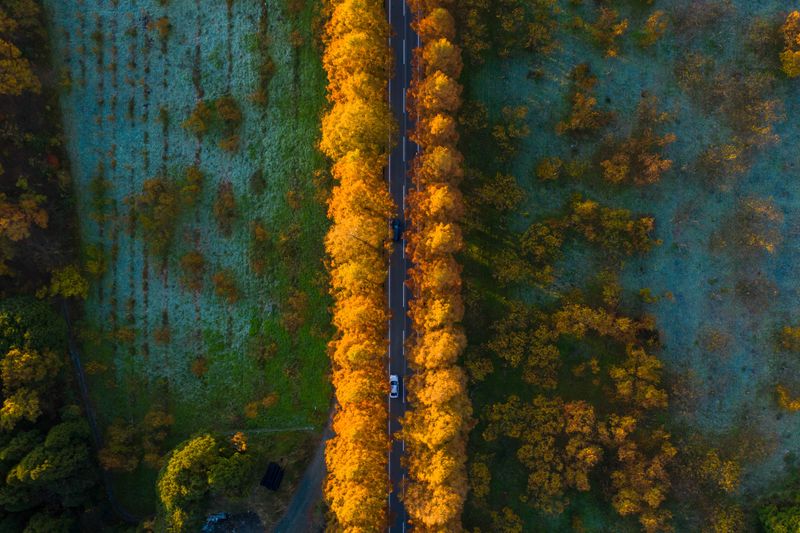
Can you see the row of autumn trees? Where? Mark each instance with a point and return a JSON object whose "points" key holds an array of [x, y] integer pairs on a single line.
{"points": [[436, 426], [355, 134]]}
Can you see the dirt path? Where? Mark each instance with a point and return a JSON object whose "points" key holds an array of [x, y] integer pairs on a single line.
{"points": [[90, 416], [298, 514]]}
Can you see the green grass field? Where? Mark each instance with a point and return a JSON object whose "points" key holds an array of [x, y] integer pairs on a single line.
{"points": [[132, 73]]}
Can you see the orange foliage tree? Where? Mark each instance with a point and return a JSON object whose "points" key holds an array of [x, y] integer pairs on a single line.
{"points": [[435, 428], [355, 135]]}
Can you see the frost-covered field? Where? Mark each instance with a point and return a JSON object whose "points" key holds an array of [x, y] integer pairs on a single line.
{"points": [[719, 298], [133, 71]]}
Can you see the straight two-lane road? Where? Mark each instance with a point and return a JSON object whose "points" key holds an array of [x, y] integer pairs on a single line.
{"points": [[403, 41]]}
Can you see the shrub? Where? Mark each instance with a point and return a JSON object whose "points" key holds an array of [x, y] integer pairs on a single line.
{"points": [[67, 282], [224, 209], [239, 441], [225, 286], [200, 367], [270, 400], [480, 479], [95, 260], [257, 182], [221, 116], [229, 144], [95, 367], [723, 473], [228, 111], [259, 349], [513, 127], [549, 169], [654, 28], [124, 335], [294, 310], [606, 30], [637, 159], [789, 339], [584, 117], [756, 225], [122, 450], [294, 199], [192, 186], [251, 410], [785, 400], [261, 247], [162, 335], [199, 120], [193, 267], [157, 208], [296, 39], [163, 26], [127, 445], [266, 65]]}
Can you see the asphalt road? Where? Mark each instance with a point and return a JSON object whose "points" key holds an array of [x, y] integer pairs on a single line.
{"points": [[403, 41]]}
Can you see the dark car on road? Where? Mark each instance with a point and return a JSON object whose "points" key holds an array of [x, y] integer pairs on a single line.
{"points": [[397, 229]]}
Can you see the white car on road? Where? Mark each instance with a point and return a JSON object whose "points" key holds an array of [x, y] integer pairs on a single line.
{"points": [[394, 386]]}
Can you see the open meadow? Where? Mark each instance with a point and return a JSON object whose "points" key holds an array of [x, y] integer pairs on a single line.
{"points": [[632, 256], [192, 130]]}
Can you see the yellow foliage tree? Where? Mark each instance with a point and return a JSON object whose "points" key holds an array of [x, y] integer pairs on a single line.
{"points": [[436, 23], [790, 57], [637, 379], [437, 93], [442, 55], [357, 124]]}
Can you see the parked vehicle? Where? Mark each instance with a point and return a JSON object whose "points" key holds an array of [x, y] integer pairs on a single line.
{"points": [[394, 386]]}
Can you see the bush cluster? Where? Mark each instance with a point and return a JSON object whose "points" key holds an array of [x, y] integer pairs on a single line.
{"points": [[198, 469], [221, 116]]}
